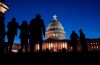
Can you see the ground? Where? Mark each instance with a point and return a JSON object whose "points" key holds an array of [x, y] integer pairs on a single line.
{"points": [[51, 58]]}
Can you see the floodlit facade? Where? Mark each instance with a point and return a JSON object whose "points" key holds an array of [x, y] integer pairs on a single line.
{"points": [[58, 45]]}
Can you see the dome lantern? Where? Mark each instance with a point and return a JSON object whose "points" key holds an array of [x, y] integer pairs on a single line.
{"points": [[55, 17]]}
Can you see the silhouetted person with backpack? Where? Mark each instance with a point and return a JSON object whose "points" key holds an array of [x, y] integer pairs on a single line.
{"points": [[24, 35], [12, 31], [37, 28], [83, 41], [74, 38]]}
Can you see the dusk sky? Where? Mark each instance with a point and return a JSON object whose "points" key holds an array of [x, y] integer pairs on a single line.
{"points": [[73, 14]]}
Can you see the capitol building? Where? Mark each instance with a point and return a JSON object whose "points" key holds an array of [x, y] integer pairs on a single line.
{"points": [[56, 41]]}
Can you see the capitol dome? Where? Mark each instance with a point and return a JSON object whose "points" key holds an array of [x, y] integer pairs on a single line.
{"points": [[55, 30]]}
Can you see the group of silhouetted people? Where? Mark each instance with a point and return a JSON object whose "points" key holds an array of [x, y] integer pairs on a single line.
{"points": [[32, 32], [74, 41]]}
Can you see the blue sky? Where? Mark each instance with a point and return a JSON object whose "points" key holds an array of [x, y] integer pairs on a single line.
{"points": [[73, 14]]}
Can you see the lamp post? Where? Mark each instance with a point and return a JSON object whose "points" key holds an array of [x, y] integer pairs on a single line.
{"points": [[3, 9]]}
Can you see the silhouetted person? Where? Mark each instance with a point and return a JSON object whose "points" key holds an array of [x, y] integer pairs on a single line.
{"points": [[83, 41], [2, 29], [2, 35], [12, 31], [36, 28], [24, 35], [63, 50], [74, 38], [47, 50]]}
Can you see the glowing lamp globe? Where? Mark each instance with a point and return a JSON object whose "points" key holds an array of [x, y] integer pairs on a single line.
{"points": [[3, 8]]}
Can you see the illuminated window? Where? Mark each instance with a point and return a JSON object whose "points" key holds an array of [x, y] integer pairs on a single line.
{"points": [[63, 45], [97, 47], [96, 43], [51, 44], [91, 43], [92, 47], [37, 47], [71, 47], [62, 35], [54, 34]]}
